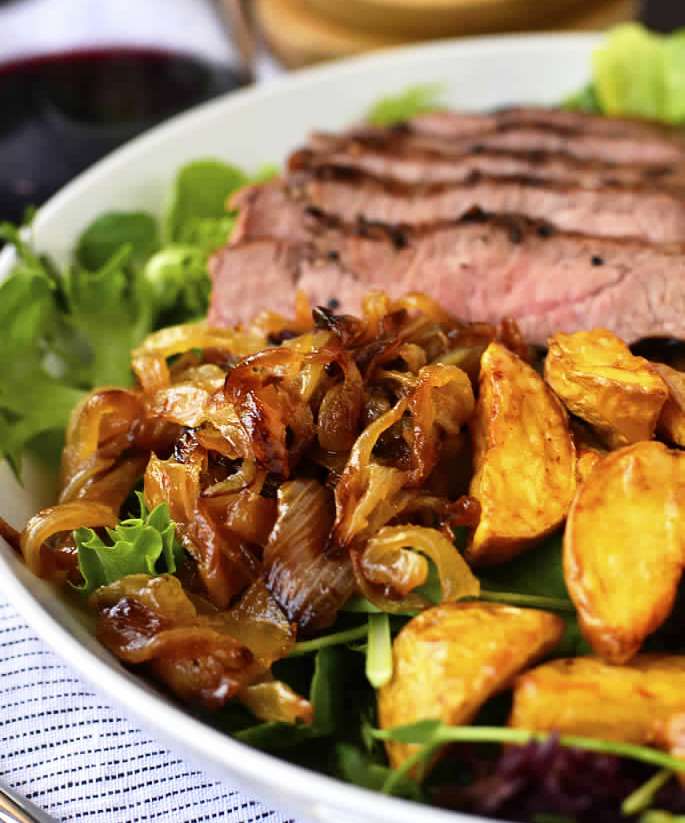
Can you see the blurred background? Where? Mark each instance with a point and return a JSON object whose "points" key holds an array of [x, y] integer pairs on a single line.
{"points": [[79, 77]]}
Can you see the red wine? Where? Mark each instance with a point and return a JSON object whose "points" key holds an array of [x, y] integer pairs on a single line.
{"points": [[61, 112]]}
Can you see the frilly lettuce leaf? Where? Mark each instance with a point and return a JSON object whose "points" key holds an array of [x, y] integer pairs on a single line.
{"points": [[141, 545]]}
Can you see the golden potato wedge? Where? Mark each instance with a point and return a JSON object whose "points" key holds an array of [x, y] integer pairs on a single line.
{"points": [[586, 462], [591, 698], [671, 423], [599, 380], [450, 659], [524, 458], [589, 450], [624, 546]]}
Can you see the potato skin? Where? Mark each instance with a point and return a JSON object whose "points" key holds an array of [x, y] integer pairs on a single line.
{"points": [[671, 423], [600, 380], [588, 697], [451, 658], [624, 547], [524, 457]]}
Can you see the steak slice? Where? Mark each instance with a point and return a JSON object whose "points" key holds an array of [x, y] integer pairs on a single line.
{"points": [[264, 275], [654, 215], [267, 210], [644, 151], [451, 124], [480, 269], [393, 159], [250, 277]]}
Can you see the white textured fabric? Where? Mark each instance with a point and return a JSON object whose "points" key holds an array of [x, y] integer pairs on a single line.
{"points": [[77, 758]]}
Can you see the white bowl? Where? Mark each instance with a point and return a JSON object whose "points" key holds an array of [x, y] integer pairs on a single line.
{"points": [[250, 128]]}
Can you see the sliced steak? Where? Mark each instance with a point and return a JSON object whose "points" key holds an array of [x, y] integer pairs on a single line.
{"points": [[266, 210], [451, 124], [397, 161], [250, 277], [480, 269], [653, 215], [644, 151]]}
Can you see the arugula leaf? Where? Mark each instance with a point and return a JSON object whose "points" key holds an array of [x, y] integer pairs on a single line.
{"points": [[419, 99], [356, 766], [536, 572], [642, 797], [379, 651], [107, 234], [142, 545], [433, 734], [325, 695], [327, 640]]}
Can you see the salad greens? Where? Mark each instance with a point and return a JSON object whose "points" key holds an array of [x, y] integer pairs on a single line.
{"points": [[432, 735], [643, 797], [419, 99], [637, 73], [66, 331], [379, 651], [139, 545]]}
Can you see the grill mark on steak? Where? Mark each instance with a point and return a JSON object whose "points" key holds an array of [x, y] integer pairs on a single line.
{"points": [[449, 124], [396, 158], [612, 211]]}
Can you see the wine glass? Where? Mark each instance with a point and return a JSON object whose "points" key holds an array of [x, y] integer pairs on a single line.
{"points": [[78, 78]]}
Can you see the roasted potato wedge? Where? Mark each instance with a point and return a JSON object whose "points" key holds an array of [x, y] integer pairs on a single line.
{"points": [[624, 547], [599, 380], [589, 451], [671, 423], [450, 659], [524, 458], [591, 698]]}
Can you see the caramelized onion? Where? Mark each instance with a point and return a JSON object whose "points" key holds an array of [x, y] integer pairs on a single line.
{"points": [[276, 702], [149, 359], [100, 429], [225, 565], [259, 623], [368, 494], [382, 561], [309, 585], [64, 517], [151, 620], [276, 421], [440, 405]]}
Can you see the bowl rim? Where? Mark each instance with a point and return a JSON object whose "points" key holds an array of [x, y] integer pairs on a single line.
{"points": [[326, 796]]}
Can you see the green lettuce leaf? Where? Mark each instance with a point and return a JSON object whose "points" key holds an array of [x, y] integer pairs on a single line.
{"points": [[419, 99], [110, 310], [199, 193], [33, 399], [637, 73], [107, 234], [141, 545], [583, 100]]}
